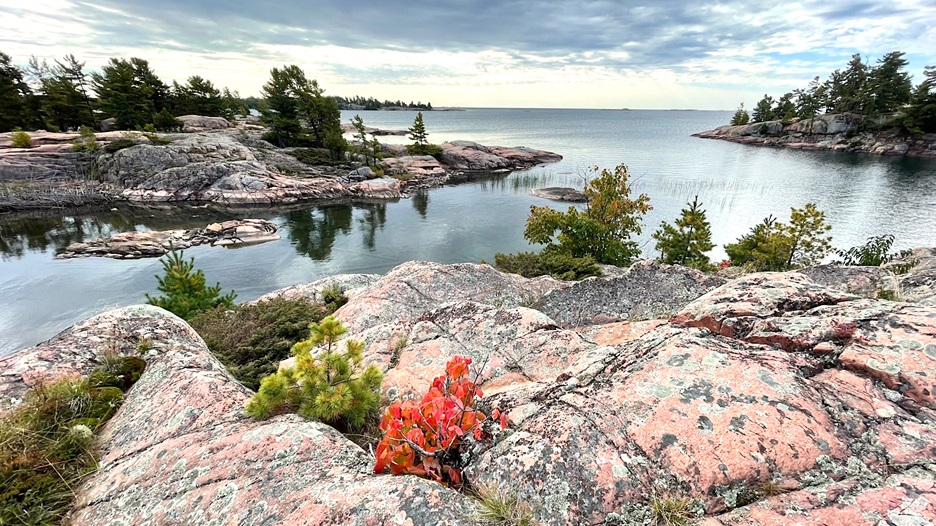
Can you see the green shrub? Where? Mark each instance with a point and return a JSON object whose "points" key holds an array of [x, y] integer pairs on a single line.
{"points": [[332, 386], [86, 141], [775, 246], [687, 240], [164, 121], [21, 139], [184, 288], [46, 446], [251, 340], [874, 253], [119, 144], [424, 149], [547, 263], [502, 508], [314, 156]]}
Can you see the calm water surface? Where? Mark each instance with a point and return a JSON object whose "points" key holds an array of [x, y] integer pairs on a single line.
{"points": [[738, 186]]}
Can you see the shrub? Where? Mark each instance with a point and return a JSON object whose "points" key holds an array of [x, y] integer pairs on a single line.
{"points": [[764, 248], [332, 387], [772, 245], [46, 445], [86, 141], [601, 231], [670, 511], [21, 139], [314, 156], [425, 438], [424, 149], [251, 340], [874, 253], [164, 121], [547, 263], [184, 288]]}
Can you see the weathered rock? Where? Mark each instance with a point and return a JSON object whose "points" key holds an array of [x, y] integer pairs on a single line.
{"points": [[347, 283], [199, 123], [770, 383], [918, 279], [648, 290], [138, 245], [561, 194], [420, 166], [471, 156]]}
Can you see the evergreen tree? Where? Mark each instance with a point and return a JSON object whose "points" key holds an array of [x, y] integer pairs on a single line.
{"points": [[332, 386], [130, 91], [14, 93], [848, 90], [290, 99], [806, 232], [764, 111], [361, 135], [741, 116], [765, 247], [889, 86], [686, 242], [198, 97], [921, 115], [784, 110], [417, 132], [184, 288], [73, 70]]}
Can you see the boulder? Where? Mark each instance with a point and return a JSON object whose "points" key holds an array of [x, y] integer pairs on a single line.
{"points": [[199, 123], [561, 194], [473, 157]]}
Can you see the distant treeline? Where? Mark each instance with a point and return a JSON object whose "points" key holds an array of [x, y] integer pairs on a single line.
{"points": [[862, 88], [370, 103], [65, 95]]}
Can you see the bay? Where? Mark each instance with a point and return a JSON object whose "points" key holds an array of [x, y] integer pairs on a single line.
{"points": [[738, 185]]}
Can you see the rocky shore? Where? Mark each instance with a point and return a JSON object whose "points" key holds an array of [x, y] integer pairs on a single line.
{"points": [[774, 398], [839, 133], [228, 164]]}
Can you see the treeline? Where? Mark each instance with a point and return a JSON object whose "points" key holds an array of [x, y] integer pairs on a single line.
{"points": [[64, 96], [861, 88], [370, 103]]}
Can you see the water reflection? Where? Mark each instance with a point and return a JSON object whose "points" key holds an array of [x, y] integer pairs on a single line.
{"points": [[420, 202], [313, 232]]}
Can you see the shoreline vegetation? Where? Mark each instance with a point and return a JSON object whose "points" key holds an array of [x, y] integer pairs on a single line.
{"points": [[864, 108]]}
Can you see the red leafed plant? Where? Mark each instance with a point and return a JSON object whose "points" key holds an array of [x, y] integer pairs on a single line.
{"points": [[424, 438]]}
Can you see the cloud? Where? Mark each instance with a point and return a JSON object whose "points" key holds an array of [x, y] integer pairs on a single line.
{"points": [[740, 45]]}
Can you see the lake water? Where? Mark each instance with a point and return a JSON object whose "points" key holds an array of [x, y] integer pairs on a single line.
{"points": [[738, 185]]}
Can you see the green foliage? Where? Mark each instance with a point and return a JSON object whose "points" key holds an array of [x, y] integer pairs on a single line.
{"points": [[502, 508], [130, 91], [250, 340], [920, 117], [314, 156], [332, 386], [547, 263], [184, 288], [764, 110], [363, 146], [772, 245], [14, 96], [687, 242], [295, 105], [21, 139], [165, 122], [199, 96], [601, 231], [874, 253], [86, 141], [47, 444], [764, 248], [119, 144], [417, 132], [741, 116]]}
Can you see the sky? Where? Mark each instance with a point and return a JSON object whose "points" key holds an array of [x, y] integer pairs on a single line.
{"points": [[482, 53]]}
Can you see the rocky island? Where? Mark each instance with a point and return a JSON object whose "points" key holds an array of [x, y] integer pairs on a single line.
{"points": [[836, 132], [769, 399]]}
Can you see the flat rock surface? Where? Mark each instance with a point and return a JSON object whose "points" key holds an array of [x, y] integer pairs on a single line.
{"points": [[770, 399]]}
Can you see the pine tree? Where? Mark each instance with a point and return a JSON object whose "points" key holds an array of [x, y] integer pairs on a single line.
{"points": [[361, 135], [687, 242], [417, 132], [14, 93], [184, 288], [764, 111], [808, 243], [741, 116], [765, 247], [332, 386]]}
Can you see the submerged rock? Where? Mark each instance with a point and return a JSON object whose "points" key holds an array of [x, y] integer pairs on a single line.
{"points": [[766, 399]]}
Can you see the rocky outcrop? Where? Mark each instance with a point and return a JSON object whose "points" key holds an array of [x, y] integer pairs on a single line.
{"points": [[769, 399], [570, 195], [473, 157], [837, 132], [139, 245], [199, 123]]}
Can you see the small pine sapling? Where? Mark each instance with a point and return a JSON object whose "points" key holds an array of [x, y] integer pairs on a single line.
{"points": [[332, 386], [425, 438], [184, 288]]}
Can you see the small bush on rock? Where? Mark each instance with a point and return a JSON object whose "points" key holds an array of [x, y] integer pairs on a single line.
{"points": [[119, 144], [502, 508], [547, 263], [333, 386], [251, 340], [86, 141], [21, 139], [425, 438], [875, 252]]}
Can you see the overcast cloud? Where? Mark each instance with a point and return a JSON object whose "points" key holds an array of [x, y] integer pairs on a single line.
{"points": [[564, 53]]}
